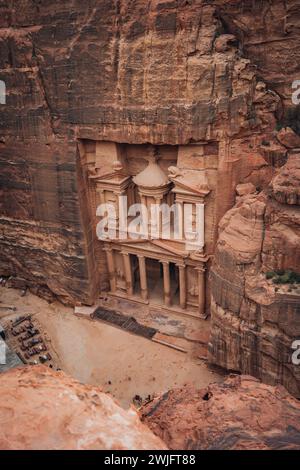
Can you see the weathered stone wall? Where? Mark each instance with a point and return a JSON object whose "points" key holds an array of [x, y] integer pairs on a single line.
{"points": [[131, 72]]}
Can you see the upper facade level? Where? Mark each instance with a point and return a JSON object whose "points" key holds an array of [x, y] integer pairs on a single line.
{"points": [[147, 192], [155, 203]]}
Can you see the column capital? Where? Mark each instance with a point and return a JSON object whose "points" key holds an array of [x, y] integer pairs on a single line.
{"points": [[107, 248], [180, 265], [201, 269]]}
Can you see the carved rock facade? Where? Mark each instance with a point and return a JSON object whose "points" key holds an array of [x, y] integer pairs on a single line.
{"points": [[165, 73]]}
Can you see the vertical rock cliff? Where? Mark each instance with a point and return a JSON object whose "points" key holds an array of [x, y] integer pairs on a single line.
{"points": [[165, 72], [255, 302]]}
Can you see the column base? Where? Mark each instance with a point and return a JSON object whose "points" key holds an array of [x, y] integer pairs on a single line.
{"points": [[204, 316]]}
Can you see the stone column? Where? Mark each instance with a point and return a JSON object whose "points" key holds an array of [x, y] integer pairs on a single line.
{"points": [[201, 292], [101, 196], [122, 213], [180, 221], [145, 214], [143, 277], [111, 268], [116, 221], [97, 196], [182, 285], [128, 273], [158, 221], [167, 283]]}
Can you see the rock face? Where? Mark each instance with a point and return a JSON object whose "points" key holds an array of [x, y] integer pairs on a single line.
{"points": [[217, 74], [288, 138], [161, 72], [45, 410], [269, 35], [254, 320], [239, 414]]}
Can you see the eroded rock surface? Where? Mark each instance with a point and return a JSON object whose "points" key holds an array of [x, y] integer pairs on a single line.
{"points": [[138, 72], [41, 409], [239, 414], [269, 35], [254, 320]]}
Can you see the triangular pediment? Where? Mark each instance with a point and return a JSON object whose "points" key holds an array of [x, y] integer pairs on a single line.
{"points": [[167, 247]]}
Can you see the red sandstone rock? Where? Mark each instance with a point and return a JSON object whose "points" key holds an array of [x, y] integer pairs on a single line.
{"points": [[45, 410], [286, 185], [288, 138], [167, 74], [254, 321], [245, 188], [225, 42], [269, 33], [239, 414]]}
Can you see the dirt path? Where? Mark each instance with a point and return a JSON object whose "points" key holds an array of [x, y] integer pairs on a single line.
{"points": [[122, 364]]}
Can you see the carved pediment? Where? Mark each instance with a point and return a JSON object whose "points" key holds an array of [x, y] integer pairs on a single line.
{"points": [[161, 247], [194, 182]]}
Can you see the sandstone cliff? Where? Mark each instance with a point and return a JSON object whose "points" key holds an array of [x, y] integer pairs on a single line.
{"points": [[255, 312], [269, 34], [165, 72], [239, 414], [172, 72], [45, 410]]}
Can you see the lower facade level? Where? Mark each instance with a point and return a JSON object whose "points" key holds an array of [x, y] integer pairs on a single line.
{"points": [[149, 274]]}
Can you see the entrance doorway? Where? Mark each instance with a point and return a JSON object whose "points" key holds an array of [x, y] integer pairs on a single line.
{"points": [[135, 275], [174, 277], [155, 281]]}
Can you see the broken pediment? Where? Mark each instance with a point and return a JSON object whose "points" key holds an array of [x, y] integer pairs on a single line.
{"points": [[109, 163], [189, 181]]}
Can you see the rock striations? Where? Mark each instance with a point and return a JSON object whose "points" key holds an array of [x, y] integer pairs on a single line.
{"points": [[256, 312], [160, 72], [240, 414], [217, 74]]}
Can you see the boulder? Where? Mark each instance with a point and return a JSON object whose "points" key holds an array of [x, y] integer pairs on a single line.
{"points": [[42, 409], [245, 188], [240, 414], [287, 137]]}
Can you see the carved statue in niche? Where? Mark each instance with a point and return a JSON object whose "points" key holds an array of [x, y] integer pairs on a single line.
{"points": [[174, 172], [193, 290]]}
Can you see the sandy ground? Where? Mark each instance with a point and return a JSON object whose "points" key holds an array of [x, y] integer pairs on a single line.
{"points": [[120, 363]]}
